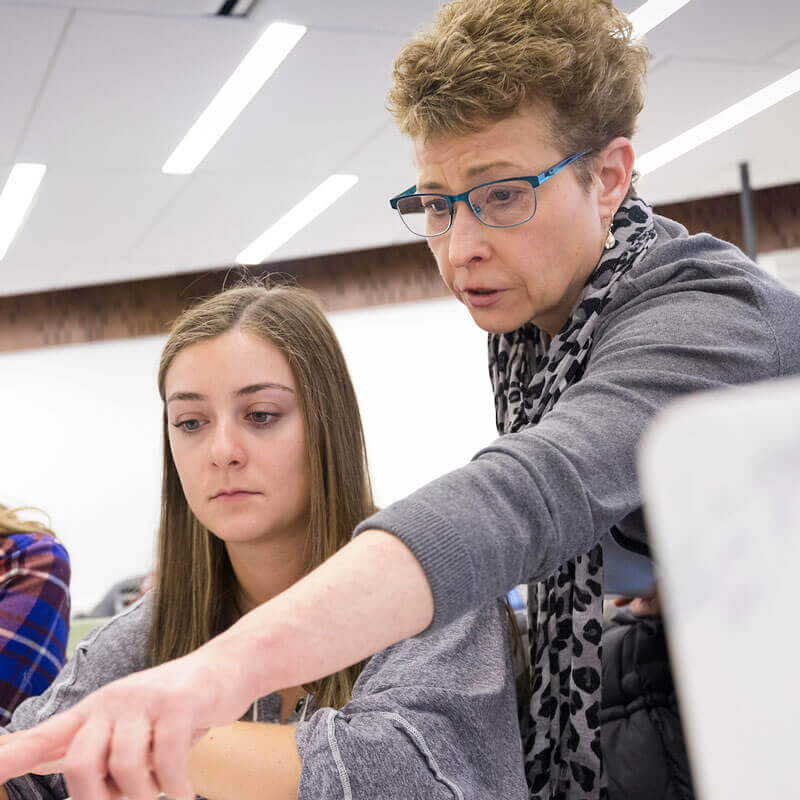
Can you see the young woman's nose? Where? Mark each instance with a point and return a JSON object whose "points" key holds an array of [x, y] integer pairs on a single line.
{"points": [[467, 238], [227, 448]]}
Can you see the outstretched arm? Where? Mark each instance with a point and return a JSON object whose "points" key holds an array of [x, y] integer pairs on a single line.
{"points": [[146, 723], [246, 761]]}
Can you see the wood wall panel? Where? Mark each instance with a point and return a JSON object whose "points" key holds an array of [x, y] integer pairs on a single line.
{"points": [[148, 307], [348, 280], [777, 213]]}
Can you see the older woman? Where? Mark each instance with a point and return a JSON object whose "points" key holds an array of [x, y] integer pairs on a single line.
{"points": [[599, 313]]}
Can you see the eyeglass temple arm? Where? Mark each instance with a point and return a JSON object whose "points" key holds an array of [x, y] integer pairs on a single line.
{"points": [[411, 190], [556, 168]]}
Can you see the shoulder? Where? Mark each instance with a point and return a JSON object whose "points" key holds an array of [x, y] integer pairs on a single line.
{"points": [[701, 292], [114, 649], [129, 631], [35, 554], [111, 651], [679, 264]]}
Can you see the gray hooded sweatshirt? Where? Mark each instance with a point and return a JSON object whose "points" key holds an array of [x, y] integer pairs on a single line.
{"points": [[433, 717]]}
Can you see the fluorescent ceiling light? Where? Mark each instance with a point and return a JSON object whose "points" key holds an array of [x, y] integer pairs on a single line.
{"points": [[719, 123], [16, 199], [325, 195], [263, 59], [653, 13]]}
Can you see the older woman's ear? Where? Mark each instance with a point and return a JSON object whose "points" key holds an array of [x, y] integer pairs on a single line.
{"points": [[613, 167]]}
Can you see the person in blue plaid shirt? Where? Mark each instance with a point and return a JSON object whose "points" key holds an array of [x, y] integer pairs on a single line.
{"points": [[34, 609]]}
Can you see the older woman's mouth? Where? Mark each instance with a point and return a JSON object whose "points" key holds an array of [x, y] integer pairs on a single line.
{"points": [[481, 298]]}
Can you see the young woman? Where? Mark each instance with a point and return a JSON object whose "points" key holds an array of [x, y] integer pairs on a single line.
{"points": [[264, 478], [34, 609]]}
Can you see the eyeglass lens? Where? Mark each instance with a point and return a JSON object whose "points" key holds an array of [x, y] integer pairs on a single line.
{"points": [[501, 204]]}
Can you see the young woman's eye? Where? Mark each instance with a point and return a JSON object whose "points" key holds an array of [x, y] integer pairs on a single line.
{"points": [[188, 425], [262, 417]]}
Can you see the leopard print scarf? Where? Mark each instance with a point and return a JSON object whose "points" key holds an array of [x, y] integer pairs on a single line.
{"points": [[529, 372]]}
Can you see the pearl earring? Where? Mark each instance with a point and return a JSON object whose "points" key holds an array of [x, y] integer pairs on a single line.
{"points": [[610, 240]]}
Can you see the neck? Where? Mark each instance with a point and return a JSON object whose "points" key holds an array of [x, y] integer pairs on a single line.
{"points": [[264, 569]]}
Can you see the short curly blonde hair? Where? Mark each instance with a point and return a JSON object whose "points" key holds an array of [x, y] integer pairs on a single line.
{"points": [[485, 59]]}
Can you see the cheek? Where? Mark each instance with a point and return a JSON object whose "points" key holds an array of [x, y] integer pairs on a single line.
{"points": [[284, 466], [544, 258], [181, 457], [439, 250]]}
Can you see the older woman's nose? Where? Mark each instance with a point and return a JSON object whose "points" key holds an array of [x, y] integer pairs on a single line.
{"points": [[467, 238], [227, 448]]}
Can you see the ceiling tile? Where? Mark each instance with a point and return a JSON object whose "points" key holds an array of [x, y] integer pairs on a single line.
{"points": [[28, 40], [62, 237], [788, 56], [194, 8], [359, 220], [356, 15], [386, 155], [682, 93], [125, 89], [326, 99], [768, 142], [727, 30], [217, 216]]}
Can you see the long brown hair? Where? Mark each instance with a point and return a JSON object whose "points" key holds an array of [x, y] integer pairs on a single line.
{"points": [[195, 587], [10, 522]]}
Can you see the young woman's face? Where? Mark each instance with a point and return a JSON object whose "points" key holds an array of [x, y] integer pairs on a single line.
{"points": [[534, 271], [237, 437]]}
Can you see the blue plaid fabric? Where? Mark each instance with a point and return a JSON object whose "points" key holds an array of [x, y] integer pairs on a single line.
{"points": [[34, 616]]}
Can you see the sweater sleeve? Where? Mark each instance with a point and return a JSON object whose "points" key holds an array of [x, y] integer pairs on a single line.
{"points": [[34, 617], [551, 491], [431, 717], [111, 651]]}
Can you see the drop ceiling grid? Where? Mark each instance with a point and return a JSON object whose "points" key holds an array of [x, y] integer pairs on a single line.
{"points": [[108, 118]]}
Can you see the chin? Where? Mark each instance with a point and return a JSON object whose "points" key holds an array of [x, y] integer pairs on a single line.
{"points": [[496, 323], [232, 531]]}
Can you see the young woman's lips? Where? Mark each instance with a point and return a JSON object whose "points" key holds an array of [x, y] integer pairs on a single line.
{"points": [[481, 298], [231, 496]]}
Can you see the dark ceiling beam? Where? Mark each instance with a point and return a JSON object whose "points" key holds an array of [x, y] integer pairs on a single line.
{"points": [[380, 276]]}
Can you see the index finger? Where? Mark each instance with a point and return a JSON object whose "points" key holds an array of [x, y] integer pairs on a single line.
{"points": [[46, 742]]}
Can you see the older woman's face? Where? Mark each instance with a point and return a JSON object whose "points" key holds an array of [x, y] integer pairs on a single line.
{"points": [[535, 271]]}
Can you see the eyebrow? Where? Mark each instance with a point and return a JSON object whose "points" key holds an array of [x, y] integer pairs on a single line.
{"points": [[245, 390], [472, 172]]}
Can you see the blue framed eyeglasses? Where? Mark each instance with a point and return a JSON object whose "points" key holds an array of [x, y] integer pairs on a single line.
{"points": [[497, 204]]}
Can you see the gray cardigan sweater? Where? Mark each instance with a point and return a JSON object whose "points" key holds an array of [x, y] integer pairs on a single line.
{"points": [[434, 717], [694, 314]]}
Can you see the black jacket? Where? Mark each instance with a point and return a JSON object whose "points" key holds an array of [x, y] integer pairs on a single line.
{"points": [[643, 744]]}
